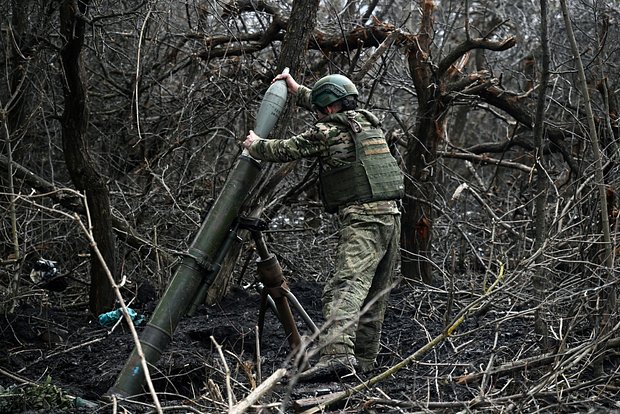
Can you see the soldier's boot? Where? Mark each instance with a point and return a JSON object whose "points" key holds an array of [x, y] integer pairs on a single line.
{"points": [[365, 366], [329, 368]]}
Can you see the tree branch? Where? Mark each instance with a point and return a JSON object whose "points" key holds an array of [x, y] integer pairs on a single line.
{"points": [[483, 159], [366, 36], [74, 203], [471, 44], [509, 102]]}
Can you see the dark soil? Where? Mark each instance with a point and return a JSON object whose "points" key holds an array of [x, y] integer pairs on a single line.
{"points": [[80, 358]]}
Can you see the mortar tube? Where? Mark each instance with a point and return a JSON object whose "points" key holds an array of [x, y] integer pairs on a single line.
{"points": [[189, 276], [180, 294], [210, 276]]}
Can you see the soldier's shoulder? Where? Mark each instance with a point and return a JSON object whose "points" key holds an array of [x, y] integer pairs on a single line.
{"points": [[328, 127], [362, 115], [319, 132]]}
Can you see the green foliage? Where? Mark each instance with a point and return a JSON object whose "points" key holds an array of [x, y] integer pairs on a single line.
{"points": [[44, 396]]}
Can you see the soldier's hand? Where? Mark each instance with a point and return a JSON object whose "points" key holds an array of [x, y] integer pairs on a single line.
{"points": [[249, 140], [291, 83]]}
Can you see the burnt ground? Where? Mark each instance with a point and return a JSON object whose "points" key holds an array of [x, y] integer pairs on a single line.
{"points": [[52, 350], [77, 357]]}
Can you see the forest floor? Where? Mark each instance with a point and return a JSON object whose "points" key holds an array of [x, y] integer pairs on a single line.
{"points": [[78, 357], [52, 351]]}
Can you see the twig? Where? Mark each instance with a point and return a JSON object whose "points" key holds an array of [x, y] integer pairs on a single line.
{"points": [[484, 159], [535, 361], [262, 389], [259, 374], [64, 351], [318, 404], [119, 321], [485, 377], [385, 45], [137, 78], [119, 296], [16, 377], [226, 372], [246, 367]]}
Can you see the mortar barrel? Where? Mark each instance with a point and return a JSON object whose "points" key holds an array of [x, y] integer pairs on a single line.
{"points": [[200, 257], [209, 277], [189, 276]]}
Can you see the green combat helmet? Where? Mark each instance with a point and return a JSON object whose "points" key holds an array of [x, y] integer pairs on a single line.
{"points": [[330, 89]]}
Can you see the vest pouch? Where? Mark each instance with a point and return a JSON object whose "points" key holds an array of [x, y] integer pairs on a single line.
{"points": [[385, 177], [342, 185]]}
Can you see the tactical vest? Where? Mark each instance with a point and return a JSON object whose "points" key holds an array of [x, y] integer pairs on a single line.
{"points": [[373, 176]]}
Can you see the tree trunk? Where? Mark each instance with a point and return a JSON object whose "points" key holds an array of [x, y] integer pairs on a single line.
{"points": [[420, 158], [539, 279], [300, 28], [81, 167], [607, 297], [14, 107], [17, 66]]}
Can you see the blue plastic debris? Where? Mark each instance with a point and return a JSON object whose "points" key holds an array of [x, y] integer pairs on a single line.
{"points": [[83, 403], [110, 318]]}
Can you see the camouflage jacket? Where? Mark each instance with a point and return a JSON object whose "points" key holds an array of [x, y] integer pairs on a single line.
{"points": [[330, 142]]}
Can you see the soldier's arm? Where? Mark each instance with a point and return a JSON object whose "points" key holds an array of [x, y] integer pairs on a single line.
{"points": [[311, 143], [303, 98]]}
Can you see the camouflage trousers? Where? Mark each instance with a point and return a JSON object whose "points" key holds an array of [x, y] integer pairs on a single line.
{"points": [[355, 297]]}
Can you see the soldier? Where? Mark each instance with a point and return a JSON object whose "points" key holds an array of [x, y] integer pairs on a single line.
{"points": [[362, 183]]}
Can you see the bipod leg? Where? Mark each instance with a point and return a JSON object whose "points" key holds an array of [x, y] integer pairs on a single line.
{"points": [[302, 312], [276, 279], [270, 275], [265, 300], [261, 317]]}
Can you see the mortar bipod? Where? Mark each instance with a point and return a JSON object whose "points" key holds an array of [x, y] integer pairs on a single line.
{"points": [[274, 289]]}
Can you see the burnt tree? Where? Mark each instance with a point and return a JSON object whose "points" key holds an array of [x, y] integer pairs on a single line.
{"points": [[437, 84]]}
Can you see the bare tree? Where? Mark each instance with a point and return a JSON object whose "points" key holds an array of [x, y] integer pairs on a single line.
{"points": [[437, 82], [606, 312], [79, 162], [540, 219]]}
